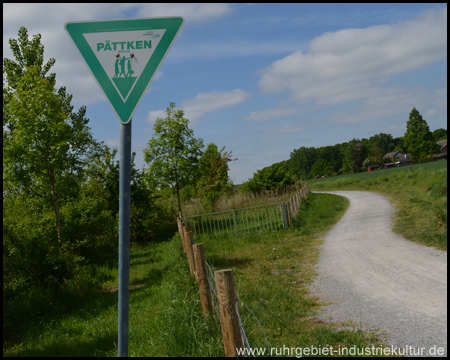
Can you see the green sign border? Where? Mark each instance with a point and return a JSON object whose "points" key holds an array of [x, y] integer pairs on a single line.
{"points": [[125, 110]]}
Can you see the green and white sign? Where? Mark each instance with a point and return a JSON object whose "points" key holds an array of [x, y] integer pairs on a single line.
{"points": [[125, 55]]}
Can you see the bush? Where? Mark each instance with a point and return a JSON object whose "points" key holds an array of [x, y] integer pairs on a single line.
{"points": [[269, 179]]}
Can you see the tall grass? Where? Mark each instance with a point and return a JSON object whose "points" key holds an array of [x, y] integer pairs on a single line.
{"points": [[165, 315], [418, 193], [239, 199]]}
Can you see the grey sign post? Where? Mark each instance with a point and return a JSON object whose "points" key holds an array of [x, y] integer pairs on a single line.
{"points": [[124, 235]]}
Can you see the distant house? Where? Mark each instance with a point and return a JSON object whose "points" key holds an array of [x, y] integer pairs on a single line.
{"points": [[373, 167], [399, 159], [443, 154]]}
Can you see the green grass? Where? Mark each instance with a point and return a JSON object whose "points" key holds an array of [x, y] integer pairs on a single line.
{"points": [[419, 197], [165, 315], [272, 270]]}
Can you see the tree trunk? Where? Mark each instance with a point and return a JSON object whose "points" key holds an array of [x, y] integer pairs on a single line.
{"points": [[178, 197], [56, 210]]}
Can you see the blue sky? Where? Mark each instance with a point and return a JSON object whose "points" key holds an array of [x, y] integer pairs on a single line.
{"points": [[265, 79]]}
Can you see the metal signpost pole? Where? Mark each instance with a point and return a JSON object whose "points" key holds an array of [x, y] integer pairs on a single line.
{"points": [[124, 235]]}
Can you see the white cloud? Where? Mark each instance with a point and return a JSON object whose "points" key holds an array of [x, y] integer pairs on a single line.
{"points": [[394, 102], [153, 115], [286, 129], [199, 12], [208, 102], [159, 75], [203, 103], [350, 64], [234, 48], [273, 113], [114, 143]]}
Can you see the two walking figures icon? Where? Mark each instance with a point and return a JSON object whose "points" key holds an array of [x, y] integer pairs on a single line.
{"points": [[122, 67]]}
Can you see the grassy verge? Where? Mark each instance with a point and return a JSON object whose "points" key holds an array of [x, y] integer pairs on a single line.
{"points": [[419, 197], [165, 315], [272, 272]]}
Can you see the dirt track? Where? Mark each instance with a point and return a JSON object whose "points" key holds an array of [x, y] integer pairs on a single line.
{"points": [[378, 280]]}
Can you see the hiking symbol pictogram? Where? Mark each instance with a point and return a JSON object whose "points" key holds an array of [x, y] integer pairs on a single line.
{"points": [[125, 83]]}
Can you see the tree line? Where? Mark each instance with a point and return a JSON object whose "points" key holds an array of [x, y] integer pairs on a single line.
{"points": [[349, 157]]}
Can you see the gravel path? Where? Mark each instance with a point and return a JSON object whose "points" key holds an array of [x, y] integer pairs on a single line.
{"points": [[380, 281]]}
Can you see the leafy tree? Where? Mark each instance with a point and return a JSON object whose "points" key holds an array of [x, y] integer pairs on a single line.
{"points": [[149, 220], [382, 141], [270, 179], [213, 169], [376, 155], [44, 140], [355, 155], [173, 153], [333, 155], [439, 134], [27, 53], [321, 167], [302, 160], [399, 145], [418, 139]]}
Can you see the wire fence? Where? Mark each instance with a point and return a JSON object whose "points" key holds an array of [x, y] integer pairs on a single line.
{"points": [[273, 216], [239, 221]]}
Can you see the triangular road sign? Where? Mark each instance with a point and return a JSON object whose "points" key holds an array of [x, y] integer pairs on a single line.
{"points": [[124, 55]]}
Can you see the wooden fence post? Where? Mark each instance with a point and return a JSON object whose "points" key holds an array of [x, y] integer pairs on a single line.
{"points": [[202, 278], [181, 231], [235, 223], [285, 215], [288, 212], [188, 240], [226, 294], [296, 205], [293, 206]]}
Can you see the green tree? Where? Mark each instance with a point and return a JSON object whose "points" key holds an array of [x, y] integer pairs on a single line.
{"points": [[173, 153], [271, 178], [399, 145], [440, 134], [355, 155], [149, 220], [302, 160], [375, 157], [333, 155], [418, 139], [383, 141], [321, 167], [44, 140], [213, 170]]}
